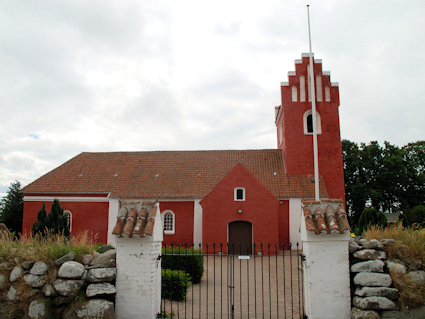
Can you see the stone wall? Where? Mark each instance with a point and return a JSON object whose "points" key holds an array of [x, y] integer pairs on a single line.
{"points": [[373, 292], [68, 289]]}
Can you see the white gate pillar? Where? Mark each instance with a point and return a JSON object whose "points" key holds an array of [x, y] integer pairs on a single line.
{"points": [[139, 242], [325, 234]]}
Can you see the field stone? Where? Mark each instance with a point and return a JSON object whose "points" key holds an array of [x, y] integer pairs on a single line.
{"points": [[369, 254], [71, 270], [5, 265], [39, 309], [418, 276], [387, 241], [357, 313], [65, 258], [16, 273], [370, 279], [100, 289], [105, 260], [368, 266], [374, 303], [391, 293], [39, 268], [35, 281], [415, 264], [101, 274], [373, 244], [353, 246], [68, 288], [91, 309], [12, 293], [396, 266], [27, 265], [48, 290], [87, 259]]}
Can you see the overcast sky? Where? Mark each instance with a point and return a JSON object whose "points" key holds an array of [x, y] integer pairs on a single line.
{"points": [[185, 75]]}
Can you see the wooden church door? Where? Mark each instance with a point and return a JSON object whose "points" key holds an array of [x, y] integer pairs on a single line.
{"points": [[240, 238]]}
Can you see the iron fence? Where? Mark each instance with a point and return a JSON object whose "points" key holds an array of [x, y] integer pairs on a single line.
{"points": [[263, 281]]}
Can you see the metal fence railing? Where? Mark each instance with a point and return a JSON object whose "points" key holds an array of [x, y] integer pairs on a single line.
{"points": [[263, 281]]}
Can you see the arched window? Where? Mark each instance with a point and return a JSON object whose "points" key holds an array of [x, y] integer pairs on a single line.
{"points": [[68, 215], [308, 123], [168, 222], [239, 194]]}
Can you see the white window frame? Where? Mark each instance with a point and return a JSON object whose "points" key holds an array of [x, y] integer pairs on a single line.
{"points": [[236, 194], [69, 219], [318, 122], [173, 222]]}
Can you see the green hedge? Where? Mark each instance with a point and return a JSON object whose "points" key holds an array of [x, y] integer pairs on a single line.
{"points": [[175, 284], [189, 260]]}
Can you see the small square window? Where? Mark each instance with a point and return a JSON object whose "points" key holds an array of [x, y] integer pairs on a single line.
{"points": [[239, 194]]}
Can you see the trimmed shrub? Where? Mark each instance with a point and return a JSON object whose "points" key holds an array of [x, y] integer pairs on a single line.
{"points": [[175, 284], [189, 260]]}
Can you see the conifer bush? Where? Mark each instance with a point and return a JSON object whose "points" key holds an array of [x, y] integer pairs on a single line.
{"points": [[54, 223]]}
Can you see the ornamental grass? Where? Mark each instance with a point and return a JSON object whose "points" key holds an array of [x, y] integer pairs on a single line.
{"points": [[46, 248]]}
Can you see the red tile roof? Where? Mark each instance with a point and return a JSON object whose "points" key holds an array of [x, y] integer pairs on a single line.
{"points": [[169, 174], [139, 222], [329, 216]]}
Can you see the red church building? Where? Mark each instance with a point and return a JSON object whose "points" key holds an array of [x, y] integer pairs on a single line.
{"points": [[223, 196]]}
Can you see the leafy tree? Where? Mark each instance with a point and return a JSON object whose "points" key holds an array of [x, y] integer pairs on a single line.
{"points": [[415, 216], [12, 208], [388, 177], [56, 222]]}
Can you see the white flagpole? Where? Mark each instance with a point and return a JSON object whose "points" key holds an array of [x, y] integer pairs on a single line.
{"points": [[313, 110]]}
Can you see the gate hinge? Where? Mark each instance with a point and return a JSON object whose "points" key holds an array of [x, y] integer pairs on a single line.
{"points": [[303, 257]]}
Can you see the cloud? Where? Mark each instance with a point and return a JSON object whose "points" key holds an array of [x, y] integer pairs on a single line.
{"points": [[109, 76]]}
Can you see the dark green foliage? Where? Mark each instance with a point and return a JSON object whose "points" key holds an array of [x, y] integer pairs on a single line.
{"points": [[386, 177], [12, 208], [370, 216], [175, 284], [54, 223], [415, 216], [189, 260]]}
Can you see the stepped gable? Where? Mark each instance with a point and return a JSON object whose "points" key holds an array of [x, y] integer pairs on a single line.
{"points": [[325, 217], [138, 221], [169, 174]]}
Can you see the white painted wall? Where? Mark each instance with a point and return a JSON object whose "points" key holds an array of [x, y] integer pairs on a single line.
{"points": [[326, 274], [114, 206], [138, 280], [197, 223], [295, 212]]}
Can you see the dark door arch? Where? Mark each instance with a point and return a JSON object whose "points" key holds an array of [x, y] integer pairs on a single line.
{"points": [[240, 237]]}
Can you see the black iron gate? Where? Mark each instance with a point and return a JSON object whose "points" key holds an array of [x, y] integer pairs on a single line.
{"points": [[263, 281]]}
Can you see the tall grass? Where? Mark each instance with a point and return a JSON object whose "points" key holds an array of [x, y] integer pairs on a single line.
{"points": [[409, 245], [45, 248], [412, 237]]}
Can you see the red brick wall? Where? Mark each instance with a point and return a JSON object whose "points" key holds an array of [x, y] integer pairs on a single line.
{"points": [[183, 214], [283, 219], [91, 216], [298, 147], [259, 208]]}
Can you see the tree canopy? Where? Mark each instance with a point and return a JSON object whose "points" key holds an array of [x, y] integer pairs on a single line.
{"points": [[386, 177], [12, 208]]}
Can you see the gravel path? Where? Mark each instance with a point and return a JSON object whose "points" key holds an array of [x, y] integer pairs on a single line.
{"points": [[264, 287]]}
